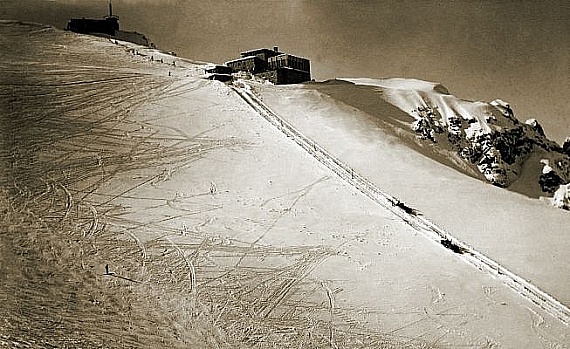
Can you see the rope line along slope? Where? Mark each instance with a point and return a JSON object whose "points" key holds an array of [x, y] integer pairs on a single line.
{"points": [[407, 214]]}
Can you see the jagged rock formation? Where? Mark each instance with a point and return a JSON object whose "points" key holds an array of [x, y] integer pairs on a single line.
{"points": [[566, 146], [497, 144], [487, 136], [561, 197]]}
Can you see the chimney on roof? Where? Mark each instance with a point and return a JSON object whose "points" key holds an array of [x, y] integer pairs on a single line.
{"points": [[110, 8], [275, 49]]}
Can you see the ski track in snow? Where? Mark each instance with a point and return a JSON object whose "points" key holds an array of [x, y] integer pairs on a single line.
{"points": [[409, 215]]}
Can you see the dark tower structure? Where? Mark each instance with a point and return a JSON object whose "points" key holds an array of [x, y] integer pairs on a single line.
{"points": [[107, 26], [112, 18]]}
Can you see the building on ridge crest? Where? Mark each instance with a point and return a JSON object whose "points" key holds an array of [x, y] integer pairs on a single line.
{"points": [[273, 65], [109, 25], [106, 27]]}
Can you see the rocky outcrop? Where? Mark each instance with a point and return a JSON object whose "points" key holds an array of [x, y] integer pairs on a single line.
{"points": [[496, 144], [566, 146], [487, 136], [561, 198]]}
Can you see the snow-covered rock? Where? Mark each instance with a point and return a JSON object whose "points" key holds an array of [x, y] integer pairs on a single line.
{"points": [[550, 180], [566, 146], [487, 136], [536, 126], [546, 168], [561, 197]]}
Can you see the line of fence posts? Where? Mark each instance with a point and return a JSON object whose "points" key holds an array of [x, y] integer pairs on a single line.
{"points": [[367, 188], [318, 152], [345, 172]]}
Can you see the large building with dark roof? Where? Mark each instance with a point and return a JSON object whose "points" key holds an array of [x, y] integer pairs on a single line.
{"points": [[273, 65]]}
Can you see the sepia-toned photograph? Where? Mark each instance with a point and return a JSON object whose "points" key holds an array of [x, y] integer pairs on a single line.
{"points": [[297, 174]]}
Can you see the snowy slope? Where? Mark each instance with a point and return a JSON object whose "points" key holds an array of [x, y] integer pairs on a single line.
{"points": [[217, 229], [375, 139]]}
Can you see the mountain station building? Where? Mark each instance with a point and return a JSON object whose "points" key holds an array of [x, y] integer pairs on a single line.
{"points": [[106, 27], [275, 66]]}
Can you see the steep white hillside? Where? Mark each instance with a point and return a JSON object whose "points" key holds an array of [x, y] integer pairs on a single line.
{"points": [[142, 206], [486, 135], [375, 139]]}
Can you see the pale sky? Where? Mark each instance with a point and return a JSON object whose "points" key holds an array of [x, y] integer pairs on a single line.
{"points": [[518, 51]]}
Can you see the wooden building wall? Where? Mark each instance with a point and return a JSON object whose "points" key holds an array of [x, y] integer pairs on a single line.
{"points": [[249, 64], [289, 61]]}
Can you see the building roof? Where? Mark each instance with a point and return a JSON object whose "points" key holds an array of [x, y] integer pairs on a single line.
{"points": [[260, 50], [287, 55], [218, 69], [241, 59]]}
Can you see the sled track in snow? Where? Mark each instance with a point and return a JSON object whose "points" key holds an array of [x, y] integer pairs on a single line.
{"points": [[407, 214]]}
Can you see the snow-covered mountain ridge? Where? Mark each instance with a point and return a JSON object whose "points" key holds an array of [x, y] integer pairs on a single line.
{"points": [[486, 136], [144, 201]]}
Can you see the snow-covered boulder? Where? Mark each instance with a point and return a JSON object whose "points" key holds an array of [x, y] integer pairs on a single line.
{"points": [[561, 198], [549, 180], [504, 107], [535, 126]]}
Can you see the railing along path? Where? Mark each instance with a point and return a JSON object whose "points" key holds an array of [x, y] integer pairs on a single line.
{"points": [[408, 215]]}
